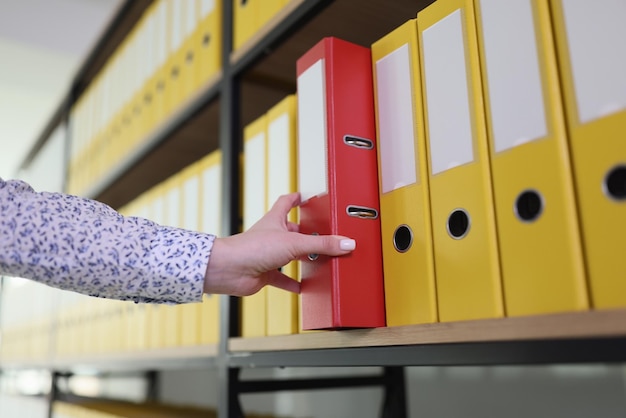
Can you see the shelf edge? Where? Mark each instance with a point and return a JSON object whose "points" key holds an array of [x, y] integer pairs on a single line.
{"points": [[572, 325]]}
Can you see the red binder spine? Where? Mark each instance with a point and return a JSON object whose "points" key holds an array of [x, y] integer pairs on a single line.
{"points": [[347, 291]]}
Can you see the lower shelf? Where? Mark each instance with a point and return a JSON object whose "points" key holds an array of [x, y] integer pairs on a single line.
{"points": [[156, 359]]}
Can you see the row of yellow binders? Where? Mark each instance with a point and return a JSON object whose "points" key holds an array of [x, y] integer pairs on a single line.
{"points": [[172, 52], [101, 326], [269, 171], [502, 167], [502, 159]]}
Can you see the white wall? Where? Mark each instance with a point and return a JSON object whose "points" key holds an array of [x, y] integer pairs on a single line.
{"points": [[32, 82], [42, 43]]}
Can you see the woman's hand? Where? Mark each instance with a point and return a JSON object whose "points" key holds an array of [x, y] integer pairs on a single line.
{"points": [[242, 264]]}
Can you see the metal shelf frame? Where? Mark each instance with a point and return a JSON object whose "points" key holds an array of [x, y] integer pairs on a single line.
{"points": [[558, 351]]}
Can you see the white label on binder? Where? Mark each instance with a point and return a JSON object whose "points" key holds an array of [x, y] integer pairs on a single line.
{"points": [[447, 95], [312, 136], [190, 203], [396, 121], [596, 34], [254, 180], [211, 201], [279, 164], [143, 211], [172, 209], [190, 17], [163, 34], [513, 73], [158, 210], [176, 22]]}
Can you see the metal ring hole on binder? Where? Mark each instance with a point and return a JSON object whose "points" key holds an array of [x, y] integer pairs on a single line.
{"points": [[615, 183], [206, 39], [189, 57], [528, 206], [403, 238], [362, 212], [458, 224], [175, 72], [313, 257], [355, 141]]}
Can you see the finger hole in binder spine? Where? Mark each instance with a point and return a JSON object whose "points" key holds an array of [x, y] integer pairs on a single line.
{"points": [[402, 238], [615, 183], [529, 206], [458, 225], [362, 212], [357, 142]]}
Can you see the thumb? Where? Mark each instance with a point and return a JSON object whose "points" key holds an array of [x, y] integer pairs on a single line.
{"points": [[324, 244]]}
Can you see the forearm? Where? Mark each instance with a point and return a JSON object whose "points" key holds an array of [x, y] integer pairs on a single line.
{"points": [[85, 246]]}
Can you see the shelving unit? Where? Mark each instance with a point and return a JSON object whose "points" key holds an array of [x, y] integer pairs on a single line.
{"points": [[252, 79]]}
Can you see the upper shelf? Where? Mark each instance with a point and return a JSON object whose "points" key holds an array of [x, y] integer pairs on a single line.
{"points": [[269, 58], [125, 17], [265, 66]]}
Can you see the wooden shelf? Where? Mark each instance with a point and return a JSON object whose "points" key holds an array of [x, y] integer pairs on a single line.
{"points": [[566, 326]]}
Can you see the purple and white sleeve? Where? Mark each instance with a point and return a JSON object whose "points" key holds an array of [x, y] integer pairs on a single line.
{"points": [[85, 246]]}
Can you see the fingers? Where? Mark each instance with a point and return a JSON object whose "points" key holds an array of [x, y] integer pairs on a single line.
{"points": [[333, 245], [285, 203], [293, 227], [277, 279]]}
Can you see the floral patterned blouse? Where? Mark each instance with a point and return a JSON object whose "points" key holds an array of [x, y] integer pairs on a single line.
{"points": [[85, 246]]}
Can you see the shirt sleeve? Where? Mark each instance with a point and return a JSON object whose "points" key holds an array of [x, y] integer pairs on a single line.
{"points": [[85, 246]]}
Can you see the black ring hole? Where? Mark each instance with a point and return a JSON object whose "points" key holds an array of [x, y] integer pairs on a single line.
{"points": [[615, 183], [529, 205], [458, 224], [403, 238]]}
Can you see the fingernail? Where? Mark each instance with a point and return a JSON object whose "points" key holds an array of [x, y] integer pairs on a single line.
{"points": [[347, 244]]}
